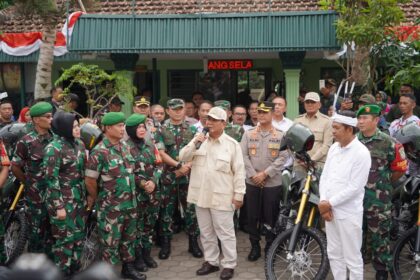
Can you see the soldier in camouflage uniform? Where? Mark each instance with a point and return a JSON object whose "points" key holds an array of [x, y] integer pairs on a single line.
{"points": [[111, 164], [174, 135], [65, 197], [147, 174], [28, 156], [4, 173], [233, 130], [388, 164]]}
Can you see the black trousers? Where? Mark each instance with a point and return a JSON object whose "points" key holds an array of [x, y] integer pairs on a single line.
{"points": [[262, 208]]}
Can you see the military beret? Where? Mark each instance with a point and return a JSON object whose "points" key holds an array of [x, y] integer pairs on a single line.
{"points": [[265, 106], [223, 104], [367, 98], [142, 100], [175, 103], [369, 109], [40, 108], [112, 118], [135, 119]]}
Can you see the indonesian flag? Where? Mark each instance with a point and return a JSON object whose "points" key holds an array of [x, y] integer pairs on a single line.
{"points": [[21, 44]]}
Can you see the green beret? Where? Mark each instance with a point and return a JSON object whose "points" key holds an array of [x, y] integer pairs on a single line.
{"points": [[40, 108], [224, 104], [175, 103], [112, 118], [370, 109], [135, 119]]}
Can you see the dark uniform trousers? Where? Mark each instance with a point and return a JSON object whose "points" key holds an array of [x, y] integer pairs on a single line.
{"points": [[262, 208]]}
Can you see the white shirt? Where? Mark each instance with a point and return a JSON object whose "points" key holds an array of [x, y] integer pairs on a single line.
{"points": [[344, 178], [399, 123], [199, 126], [282, 125]]}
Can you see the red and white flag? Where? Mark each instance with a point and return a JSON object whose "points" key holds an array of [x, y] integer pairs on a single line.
{"points": [[21, 44]]}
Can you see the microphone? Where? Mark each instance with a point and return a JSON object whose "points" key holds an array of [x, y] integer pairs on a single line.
{"points": [[198, 144]]}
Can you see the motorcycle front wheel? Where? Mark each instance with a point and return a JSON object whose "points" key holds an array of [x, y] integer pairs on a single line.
{"points": [[308, 261], [406, 260], [90, 245], [15, 236]]}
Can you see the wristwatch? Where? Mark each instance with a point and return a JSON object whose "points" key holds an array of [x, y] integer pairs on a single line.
{"points": [[179, 165]]}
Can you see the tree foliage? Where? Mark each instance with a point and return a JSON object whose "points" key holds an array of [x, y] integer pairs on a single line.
{"points": [[99, 86]]}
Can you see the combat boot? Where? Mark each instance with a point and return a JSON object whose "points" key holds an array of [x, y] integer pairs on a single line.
{"points": [[139, 263], [150, 262], [128, 271], [165, 247], [255, 253], [193, 247], [381, 275]]}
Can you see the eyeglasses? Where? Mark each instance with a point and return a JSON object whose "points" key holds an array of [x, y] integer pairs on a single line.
{"points": [[47, 116]]}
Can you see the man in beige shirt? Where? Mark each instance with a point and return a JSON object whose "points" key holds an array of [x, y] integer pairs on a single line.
{"points": [[263, 164], [217, 188], [320, 125]]}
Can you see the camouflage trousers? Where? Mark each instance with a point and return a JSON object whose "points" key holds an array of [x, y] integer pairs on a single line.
{"points": [[117, 235], [170, 195], [377, 236], [2, 232], [67, 237], [148, 206], [39, 233]]}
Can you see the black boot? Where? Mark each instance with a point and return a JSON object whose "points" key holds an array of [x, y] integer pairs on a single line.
{"points": [[128, 271], [255, 253], [165, 247], [381, 275], [193, 247], [150, 262], [139, 263]]}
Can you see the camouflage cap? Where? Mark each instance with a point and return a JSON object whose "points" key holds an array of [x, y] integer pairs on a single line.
{"points": [[135, 119], [40, 108], [142, 100], [175, 103], [367, 98], [223, 104], [370, 109], [265, 106], [112, 118]]}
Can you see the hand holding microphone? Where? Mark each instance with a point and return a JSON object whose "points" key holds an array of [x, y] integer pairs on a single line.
{"points": [[201, 138]]}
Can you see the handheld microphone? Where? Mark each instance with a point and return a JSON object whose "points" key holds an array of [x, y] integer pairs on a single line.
{"points": [[198, 144]]}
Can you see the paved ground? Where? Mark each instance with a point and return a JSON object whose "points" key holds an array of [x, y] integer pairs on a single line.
{"points": [[181, 265]]}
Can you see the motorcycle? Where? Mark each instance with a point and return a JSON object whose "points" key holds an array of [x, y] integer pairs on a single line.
{"points": [[15, 223], [300, 250], [406, 252]]}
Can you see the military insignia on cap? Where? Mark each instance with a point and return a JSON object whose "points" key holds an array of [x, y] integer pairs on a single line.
{"points": [[367, 109]]}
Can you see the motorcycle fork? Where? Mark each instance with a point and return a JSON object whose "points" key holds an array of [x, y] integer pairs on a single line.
{"points": [[298, 223], [12, 207]]}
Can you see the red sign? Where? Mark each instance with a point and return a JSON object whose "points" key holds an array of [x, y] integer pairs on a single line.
{"points": [[229, 64]]}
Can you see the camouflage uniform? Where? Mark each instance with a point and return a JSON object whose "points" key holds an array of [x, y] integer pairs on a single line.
{"points": [[116, 203], [234, 131], [387, 156], [28, 155], [149, 204], [64, 164], [172, 138]]}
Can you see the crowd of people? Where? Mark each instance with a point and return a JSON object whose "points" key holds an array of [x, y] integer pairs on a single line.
{"points": [[193, 164]]}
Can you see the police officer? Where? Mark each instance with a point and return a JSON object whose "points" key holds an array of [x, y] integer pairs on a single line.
{"points": [[233, 130], [147, 174], [320, 125], [388, 164], [263, 165], [28, 156], [173, 136], [112, 165], [65, 197]]}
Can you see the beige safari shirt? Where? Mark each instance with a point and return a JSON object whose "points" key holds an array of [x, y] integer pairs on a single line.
{"points": [[261, 153], [217, 173], [321, 127]]}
